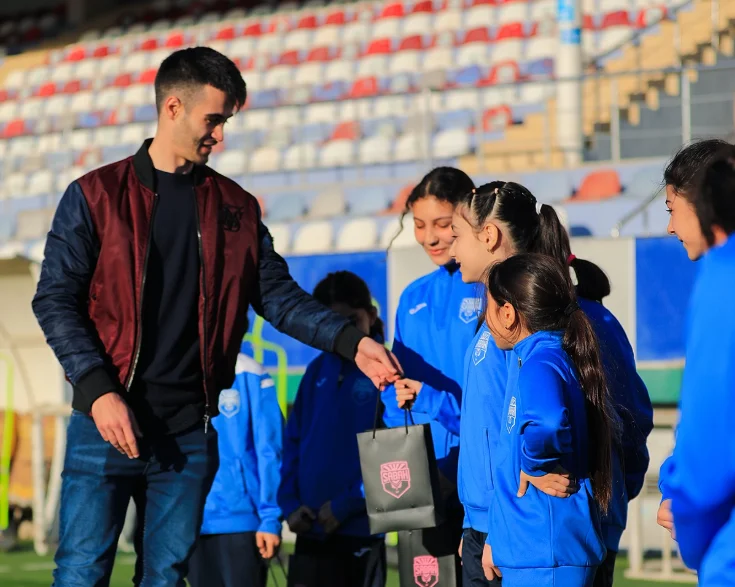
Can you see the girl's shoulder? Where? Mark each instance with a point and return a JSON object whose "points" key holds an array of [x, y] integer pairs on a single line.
{"points": [[549, 362]]}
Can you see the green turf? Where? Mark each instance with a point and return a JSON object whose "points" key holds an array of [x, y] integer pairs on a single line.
{"points": [[24, 569]]}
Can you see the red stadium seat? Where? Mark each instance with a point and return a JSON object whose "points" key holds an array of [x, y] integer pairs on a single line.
{"points": [[322, 54], [14, 128], [379, 47], [399, 204], [289, 58], [512, 30], [413, 43], [76, 54], [364, 88], [497, 118], [599, 185], [346, 130], [337, 17], [149, 45], [279, 24], [225, 34], [478, 35], [307, 22], [588, 23], [501, 73], [175, 40], [481, 2], [72, 87], [148, 76], [123, 80], [423, 6], [650, 16], [101, 51], [253, 30], [616, 19], [393, 10], [4, 95], [46, 90]]}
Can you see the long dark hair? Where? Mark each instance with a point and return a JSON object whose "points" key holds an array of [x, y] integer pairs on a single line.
{"points": [[533, 228], [344, 287], [703, 173], [446, 184], [541, 292]]}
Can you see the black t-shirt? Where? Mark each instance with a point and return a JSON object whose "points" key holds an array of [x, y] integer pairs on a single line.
{"points": [[168, 394]]}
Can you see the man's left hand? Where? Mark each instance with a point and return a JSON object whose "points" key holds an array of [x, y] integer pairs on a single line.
{"points": [[327, 519], [377, 362], [267, 544]]}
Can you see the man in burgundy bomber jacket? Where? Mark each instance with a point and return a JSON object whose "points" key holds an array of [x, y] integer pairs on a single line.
{"points": [[150, 267]]}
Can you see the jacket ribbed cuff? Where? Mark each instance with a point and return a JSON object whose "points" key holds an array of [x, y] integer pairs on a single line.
{"points": [[345, 345], [93, 385]]}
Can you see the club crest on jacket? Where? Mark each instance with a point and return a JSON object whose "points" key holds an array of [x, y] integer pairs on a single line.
{"points": [[229, 402], [469, 309]]}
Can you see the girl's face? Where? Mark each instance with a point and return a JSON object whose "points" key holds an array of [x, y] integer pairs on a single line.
{"points": [[504, 324], [360, 317], [474, 251], [432, 227], [684, 224]]}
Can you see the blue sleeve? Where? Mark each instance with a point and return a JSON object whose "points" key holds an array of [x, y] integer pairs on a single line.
{"points": [[288, 494], [440, 406], [350, 503], [663, 479], [62, 295], [702, 470], [268, 438], [282, 302], [543, 419]]}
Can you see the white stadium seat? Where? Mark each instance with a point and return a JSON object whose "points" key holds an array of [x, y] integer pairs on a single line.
{"points": [[281, 237], [358, 235], [377, 149], [231, 163], [315, 237], [337, 153], [300, 156], [265, 160]]}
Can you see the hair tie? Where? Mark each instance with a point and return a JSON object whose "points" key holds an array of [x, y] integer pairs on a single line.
{"points": [[495, 191], [571, 308], [538, 208], [474, 191], [571, 258]]}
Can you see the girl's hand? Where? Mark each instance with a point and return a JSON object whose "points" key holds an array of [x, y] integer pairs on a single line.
{"points": [[558, 483], [301, 520], [488, 566], [406, 391], [665, 518]]}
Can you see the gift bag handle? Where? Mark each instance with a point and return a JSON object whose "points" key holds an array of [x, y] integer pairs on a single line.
{"points": [[407, 412]]}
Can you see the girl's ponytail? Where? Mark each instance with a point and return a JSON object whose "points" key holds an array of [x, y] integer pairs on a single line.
{"points": [[581, 345]]}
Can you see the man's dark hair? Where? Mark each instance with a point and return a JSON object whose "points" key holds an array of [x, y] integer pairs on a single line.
{"points": [[189, 69]]}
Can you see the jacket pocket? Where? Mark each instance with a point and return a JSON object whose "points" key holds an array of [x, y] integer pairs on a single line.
{"points": [[486, 463], [229, 493], [251, 493]]}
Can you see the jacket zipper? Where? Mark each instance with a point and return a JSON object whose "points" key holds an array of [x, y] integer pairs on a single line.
{"points": [[203, 280], [139, 341]]}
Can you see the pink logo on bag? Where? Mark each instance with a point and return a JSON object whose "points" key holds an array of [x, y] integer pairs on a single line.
{"points": [[426, 571], [395, 477]]}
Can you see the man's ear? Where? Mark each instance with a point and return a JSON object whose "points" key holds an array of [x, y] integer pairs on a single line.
{"points": [[172, 108]]}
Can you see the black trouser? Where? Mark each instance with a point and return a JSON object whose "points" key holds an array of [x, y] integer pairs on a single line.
{"points": [[473, 542], [227, 560], [340, 561], [606, 571]]}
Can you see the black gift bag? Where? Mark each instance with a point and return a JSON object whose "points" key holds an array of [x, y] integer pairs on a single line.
{"points": [[426, 559], [400, 477], [305, 570]]}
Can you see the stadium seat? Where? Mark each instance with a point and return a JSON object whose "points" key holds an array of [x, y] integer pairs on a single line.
{"points": [[339, 70], [40, 183], [418, 24], [133, 134], [405, 62], [300, 156], [33, 224], [376, 149], [410, 147], [449, 21], [644, 182], [281, 237], [264, 160], [512, 12], [231, 163], [482, 15], [451, 143], [438, 59], [339, 153], [396, 237], [327, 204], [286, 207], [543, 10], [387, 29], [327, 36], [473, 54], [599, 185], [257, 119], [315, 237], [357, 235], [356, 32], [373, 65]]}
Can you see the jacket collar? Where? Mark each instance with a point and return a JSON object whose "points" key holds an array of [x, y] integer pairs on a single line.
{"points": [[544, 339], [143, 165]]}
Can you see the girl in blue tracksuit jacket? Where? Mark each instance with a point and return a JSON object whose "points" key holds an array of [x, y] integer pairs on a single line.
{"points": [[490, 224], [557, 419], [436, 319], [321, 492], [699, 478], [241, 526]]}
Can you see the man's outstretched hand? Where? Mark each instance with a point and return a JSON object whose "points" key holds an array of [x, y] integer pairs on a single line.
{"points": [[378, 363]]}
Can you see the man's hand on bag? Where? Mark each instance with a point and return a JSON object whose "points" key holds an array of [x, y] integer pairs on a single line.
{"points": [[267, 544], [377, 362], [558, 483], [488, 566], [406, 391], [301, 520], [665, 518], [116, 424], [326, 518]]}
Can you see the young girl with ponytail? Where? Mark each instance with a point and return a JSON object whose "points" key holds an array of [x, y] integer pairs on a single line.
{"points": [[492, 223], [556, 419]]}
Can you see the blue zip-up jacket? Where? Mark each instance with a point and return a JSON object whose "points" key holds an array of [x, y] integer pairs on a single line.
{"points": [[483, 392], [321, 461], [250, 440], [537, 539], [635, 412], [701, 472], [435, 322]]}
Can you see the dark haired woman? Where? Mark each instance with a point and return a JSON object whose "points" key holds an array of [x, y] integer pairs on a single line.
{"points": [[556, 417], [435, 321], [501, 219], [699, 478], [321, 492]]}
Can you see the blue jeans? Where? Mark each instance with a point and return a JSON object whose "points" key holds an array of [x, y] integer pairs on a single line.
{"points": [[169, 483]]}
